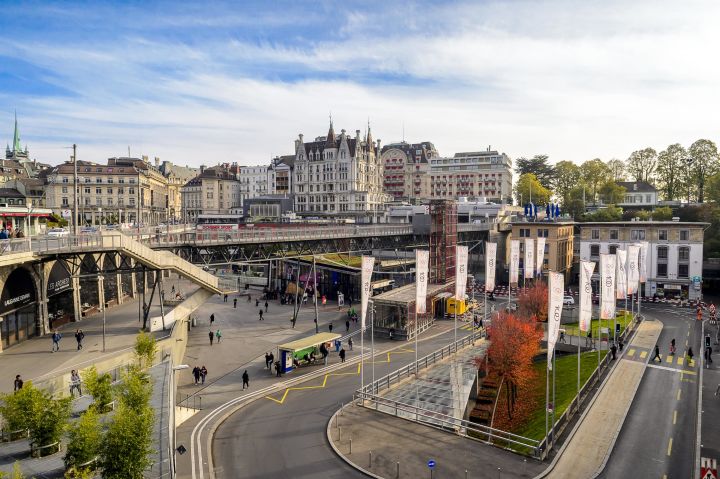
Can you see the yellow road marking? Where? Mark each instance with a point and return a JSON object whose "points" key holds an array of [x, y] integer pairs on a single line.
{"points": [[688, 332], [674, 416], [681, 361], [325, 378], [678, 394], [691, 363], [668, 359], [631, 352], [643, 354], [686, 343], [669, 447]]}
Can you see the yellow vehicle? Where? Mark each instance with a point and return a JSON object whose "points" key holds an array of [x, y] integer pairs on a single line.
{"points": [[451, 305]]}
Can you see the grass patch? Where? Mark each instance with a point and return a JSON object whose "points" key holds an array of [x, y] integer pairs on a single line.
{"points": [[623, 318]]}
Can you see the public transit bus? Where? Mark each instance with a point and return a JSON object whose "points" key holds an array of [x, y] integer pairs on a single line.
{"points": [[211, 223]]}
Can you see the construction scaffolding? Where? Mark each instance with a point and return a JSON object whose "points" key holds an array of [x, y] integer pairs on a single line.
{"points": [[443, 239]]}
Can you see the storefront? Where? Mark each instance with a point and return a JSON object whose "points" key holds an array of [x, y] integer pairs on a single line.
{"points": [[18, 308], [60, 295]]}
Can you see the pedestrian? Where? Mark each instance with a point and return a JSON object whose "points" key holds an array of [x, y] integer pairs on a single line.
{"points": [[211, 335], [257, 302], [621, 342], [219, 335], [350, 343], [212, 319], [261, 313], [235, 303], [79, 335], [271, 360], [246, 380], [672, 347], [266, 306], [613, 350], [18, 383], [349, 302], [709, 354], [249, 298], [657, 354], [56, 337], [196, 374], [324, 352], [172, 290], [347, 326], [342, 355], [75, 383], [225, 298], [267, 360], [203, 373], [330, 327], [699, 313], [562, 336], [278, 372]]}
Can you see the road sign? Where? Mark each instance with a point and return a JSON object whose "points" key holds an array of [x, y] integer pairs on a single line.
{"points": [[708, 468], [431, 463], [66, 214]]}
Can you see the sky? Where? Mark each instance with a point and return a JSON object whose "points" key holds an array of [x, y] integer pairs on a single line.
{"points": [[213, 82]]}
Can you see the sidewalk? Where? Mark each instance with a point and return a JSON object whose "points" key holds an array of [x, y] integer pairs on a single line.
{"points": [[593, 440], [34, 359], [709, 434]]}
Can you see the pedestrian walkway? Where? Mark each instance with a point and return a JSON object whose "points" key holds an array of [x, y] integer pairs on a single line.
{"points": [[593, 440], [709, 434], [34, 359]]}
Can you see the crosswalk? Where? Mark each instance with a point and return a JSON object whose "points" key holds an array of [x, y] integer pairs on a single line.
{"points": [[642, 354]]}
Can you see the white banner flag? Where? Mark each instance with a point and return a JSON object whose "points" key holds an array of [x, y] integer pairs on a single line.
{"points": [[607, 286], [540, 256], [643, 261], [529, 269], [461, 264], [366, 270], [514, 261], [422, 259], [490, 257], [633, 275], [621, 277], [586, 272], [556, 288]]}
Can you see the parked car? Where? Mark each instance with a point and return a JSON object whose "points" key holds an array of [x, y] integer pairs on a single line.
{"points": [[57, 232], [568, 300]]}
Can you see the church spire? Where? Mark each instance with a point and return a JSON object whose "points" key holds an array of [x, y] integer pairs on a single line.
{"points": [[369, 139], [331, 134], [16, 137]]}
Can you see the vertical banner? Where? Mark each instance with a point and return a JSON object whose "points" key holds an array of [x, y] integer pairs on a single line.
{"points": [[366, 270], [633, 275], [490, 257], [422, 259], [461, 263], [514, 261], [556, 288], [586, 271], [607, 286], [643, 261], [621, 276], [529, 270], [540, 256]]}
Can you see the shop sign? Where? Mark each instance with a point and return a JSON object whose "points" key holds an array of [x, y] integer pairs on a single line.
{"points": [[59, 279], [16, 294]]}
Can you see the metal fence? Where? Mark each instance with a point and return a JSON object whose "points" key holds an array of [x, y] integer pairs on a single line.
{"points": [[13, 246]]}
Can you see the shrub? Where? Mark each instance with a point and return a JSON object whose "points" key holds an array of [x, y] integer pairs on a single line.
{"points": [[100, 388], [145, 349], [127, 443], [135, 389], [48, 421], [17, 408], [84, 437]]}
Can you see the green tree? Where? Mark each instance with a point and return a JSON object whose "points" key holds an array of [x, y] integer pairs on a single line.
{"points": [[612, 193], [50, 421], [127, 444], [617, 169], [84, 438], [18, 408], [135, 389], [704, 163], [567, 176], [670, 166], [537, 165], [100, 388], [664, 213], [145, 349], [712, 189], [594, 173], [574, 204], [611, 213], [641, 164], [528, 187]]}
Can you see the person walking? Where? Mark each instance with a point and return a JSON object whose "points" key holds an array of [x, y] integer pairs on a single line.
{"points": [[211, 335], [350, 343], [690, 354], [342, 355], [709, 354], [56, 337], [621, 343], [218, 334], [266, 306], [588, 339], [75, 383], [261, 313], [212, 319], [278, 371], [347, 326], [257, 302], [271, 361], [613, 350], [18, 384], [249, 298], [267, 360], [330, 327], [562, 336], [672, 347], [196, 374], [225, 298], [234, 303], [657, 354], [246, 380], [79, 335], [203, 373]]}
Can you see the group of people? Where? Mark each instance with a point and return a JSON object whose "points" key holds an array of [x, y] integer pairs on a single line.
{"points": [[199, 373], [689, 353]]}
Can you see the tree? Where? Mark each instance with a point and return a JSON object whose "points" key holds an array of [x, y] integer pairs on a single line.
{"points": [[528, 187], [704, 156], [641, 164], [617, 169], [515, 343], [712, 189], [594, 173], [670, 164], [127, 444], [567, 177], [664, 213], [18, 408], [135, 389], [84, 438], [100, 388], [538, 166], [145, 349], [574, 204], [611, 213], [612, 193], [533, 303]]}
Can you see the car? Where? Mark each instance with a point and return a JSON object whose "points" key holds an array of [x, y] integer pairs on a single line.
{"points": [[57, 232], [568, 300]]}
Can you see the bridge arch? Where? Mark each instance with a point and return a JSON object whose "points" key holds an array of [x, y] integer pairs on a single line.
{"points": [[19, 306]]}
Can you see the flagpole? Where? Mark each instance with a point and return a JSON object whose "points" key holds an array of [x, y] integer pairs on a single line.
{"points": [[547, 403], [372, 340], [553, 400]]}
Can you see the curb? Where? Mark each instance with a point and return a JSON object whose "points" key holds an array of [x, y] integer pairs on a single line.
{"points": [[337, 451]]}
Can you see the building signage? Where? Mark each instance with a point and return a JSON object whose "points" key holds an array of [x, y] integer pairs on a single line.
{"points": [[16, 294], [59, 279]]}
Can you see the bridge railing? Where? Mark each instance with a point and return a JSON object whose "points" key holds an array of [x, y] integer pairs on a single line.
{"points": [[13, 246]]}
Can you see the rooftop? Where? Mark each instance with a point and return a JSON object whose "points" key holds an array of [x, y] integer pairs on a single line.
{"points": [[643, 223], [406, 294]]}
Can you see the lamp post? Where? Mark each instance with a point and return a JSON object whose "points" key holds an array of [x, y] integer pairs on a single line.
{"points": [[101, 289], [120, 215], [99, 220]]}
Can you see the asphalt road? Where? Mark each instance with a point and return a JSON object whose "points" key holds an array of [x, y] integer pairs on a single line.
{"points": [[267, 440], [658, 437]]}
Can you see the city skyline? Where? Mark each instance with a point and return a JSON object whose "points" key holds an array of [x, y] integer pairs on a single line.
{"points": [[238, 83]]}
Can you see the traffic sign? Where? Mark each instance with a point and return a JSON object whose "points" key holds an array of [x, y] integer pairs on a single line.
{"points": [[66, 214], [431, 463], [708, 468]]}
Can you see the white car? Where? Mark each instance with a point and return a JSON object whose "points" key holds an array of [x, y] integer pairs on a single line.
{"points": [[568, 300], [57, 232]]}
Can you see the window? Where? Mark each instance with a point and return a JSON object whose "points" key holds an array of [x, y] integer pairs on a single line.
{"points": [[662, 235], [542, 233], [209, 195], [109, 180], [98, 201], [65, 179], [595, 234], [662, 270], [121, 191], [88, 180], [98, 191], [613, 234], [87, 191], [65, 202], [684, 253], [132, 201], [648, 198], [64, 189], [594, 250], [684, 235], [612, 249], [637, 235], [662, 253], [683, 270], [109, 190], [121, 180], [131, 191]]}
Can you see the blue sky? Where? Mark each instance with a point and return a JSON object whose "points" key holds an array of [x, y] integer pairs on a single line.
{"points": [[197, 82]]}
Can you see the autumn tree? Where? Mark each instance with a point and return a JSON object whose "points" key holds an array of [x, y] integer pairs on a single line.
{"points": [[514, 344], [533, 303], [529, 188], [641, 164]]}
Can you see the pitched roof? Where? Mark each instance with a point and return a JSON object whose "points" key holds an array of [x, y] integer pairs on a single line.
{"points": [[11, 193], [637, 186]]}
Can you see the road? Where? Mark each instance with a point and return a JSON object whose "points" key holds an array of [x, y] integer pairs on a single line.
{"points": [[266, 439], [658, 437]]}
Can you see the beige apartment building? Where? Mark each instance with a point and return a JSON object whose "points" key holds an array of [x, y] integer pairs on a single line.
{"points": [[558, 236], [406, 169], [215, 191]]}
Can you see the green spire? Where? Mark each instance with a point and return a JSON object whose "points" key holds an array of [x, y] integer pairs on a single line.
{"points": [[16, 137]]}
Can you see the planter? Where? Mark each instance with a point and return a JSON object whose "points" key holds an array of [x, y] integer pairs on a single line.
{"points": [[14, 435]]}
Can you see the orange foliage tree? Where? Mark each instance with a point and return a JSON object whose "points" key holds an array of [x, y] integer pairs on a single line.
{"points": [[514, 342], [533, 303]]}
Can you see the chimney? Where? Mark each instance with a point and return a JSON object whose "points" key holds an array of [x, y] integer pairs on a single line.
{"points": [[202, 168], [301, 138], [357, 133], [634, 186], [157, 162]]}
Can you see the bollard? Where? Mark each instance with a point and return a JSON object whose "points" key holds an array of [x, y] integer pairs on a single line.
{"points": [[466, 476], [349, 453], [370, 460], [397, 464], [499, 472]]}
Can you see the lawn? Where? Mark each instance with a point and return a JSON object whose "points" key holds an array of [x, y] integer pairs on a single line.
{"points": [[623, 318]]}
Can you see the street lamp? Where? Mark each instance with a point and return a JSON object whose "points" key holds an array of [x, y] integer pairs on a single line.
{"points": [[100, 222], [101, 288]]}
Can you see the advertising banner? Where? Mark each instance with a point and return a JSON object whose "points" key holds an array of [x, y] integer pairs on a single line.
{"points": [[461, 258], [621, 277], [365, 276], [643, 261], [586, 271], [529, 269], [540, 256], [607, 286], [633, 275], [490, 257], [422, 260], [514, 261], [556, 288]]}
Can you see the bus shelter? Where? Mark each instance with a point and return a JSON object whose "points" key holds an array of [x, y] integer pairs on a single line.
{"points": [[296, 350]]}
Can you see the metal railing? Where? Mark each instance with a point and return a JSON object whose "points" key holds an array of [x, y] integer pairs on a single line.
{"points": [[14, 246]]}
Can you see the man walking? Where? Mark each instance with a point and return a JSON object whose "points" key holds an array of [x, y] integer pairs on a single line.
{"points": [[56, 341], [212, 319], [18, 383], [219, 335], [330, 327], [211, 335], [261, 313], [657, 354], [350, 343], [271, 361], [79, 335], [75, 383], [278, 371], [613, 350], [203, 373], [267, 360], [235, 303], [225, 298], [246, 380], [266, 306], [342, 355], [347, 326], [196, 374]]}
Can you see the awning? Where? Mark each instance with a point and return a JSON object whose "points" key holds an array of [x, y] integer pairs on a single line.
{"points": [[310, 341]]}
